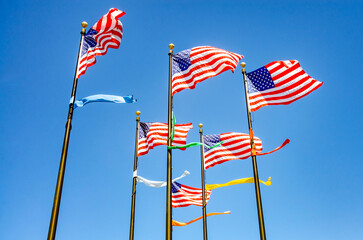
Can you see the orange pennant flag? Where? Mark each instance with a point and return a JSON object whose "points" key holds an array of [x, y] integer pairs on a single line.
{"points": [[253, 150], [181, 224]]}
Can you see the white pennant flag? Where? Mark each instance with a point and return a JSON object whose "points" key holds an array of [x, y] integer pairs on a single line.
{"points": [[157, 184]]}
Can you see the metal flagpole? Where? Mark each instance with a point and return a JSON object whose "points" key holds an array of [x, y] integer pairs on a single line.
{"points": [[254, 162], [169, 227], [205, 237], [132, 219], [62, 166]]}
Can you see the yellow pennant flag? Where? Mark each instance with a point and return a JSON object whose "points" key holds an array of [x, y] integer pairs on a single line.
{"points": [[181, 224], [237, 181]]}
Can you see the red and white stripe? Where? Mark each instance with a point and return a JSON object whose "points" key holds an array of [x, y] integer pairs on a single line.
{"points": [[109, 35], [158, 135], [187, 196], [235, 146], [205, 62], [291, 83]]}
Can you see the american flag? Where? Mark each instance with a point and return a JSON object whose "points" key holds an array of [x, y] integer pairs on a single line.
{"points": [[235, 146], [106, 33], [279, 82], [194, 65], [156, 134], [183, 196]]}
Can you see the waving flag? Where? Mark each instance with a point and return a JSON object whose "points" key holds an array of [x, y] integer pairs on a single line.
{"points": [[279, 83], [157, 184], [181, 224], [237, 181], [183, 196], [103, 98], [106, 33], [156, 134], [194, 65], [235, 146]]}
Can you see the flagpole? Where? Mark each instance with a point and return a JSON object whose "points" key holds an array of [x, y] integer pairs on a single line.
{"points": [[62, 165], [132, 219], [205, 237], [169, 227], [254, 162]]}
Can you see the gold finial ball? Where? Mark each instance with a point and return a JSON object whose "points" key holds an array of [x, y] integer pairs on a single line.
{"points": [[243, 64], [171, 46], [200, 125], [84, 24], [138, 113]]}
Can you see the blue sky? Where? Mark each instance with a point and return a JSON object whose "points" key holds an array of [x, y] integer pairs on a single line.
{"points": [[316, 190]]}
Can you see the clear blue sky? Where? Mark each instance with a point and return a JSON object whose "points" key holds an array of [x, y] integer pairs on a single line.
{"points": [[316, 190]]}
